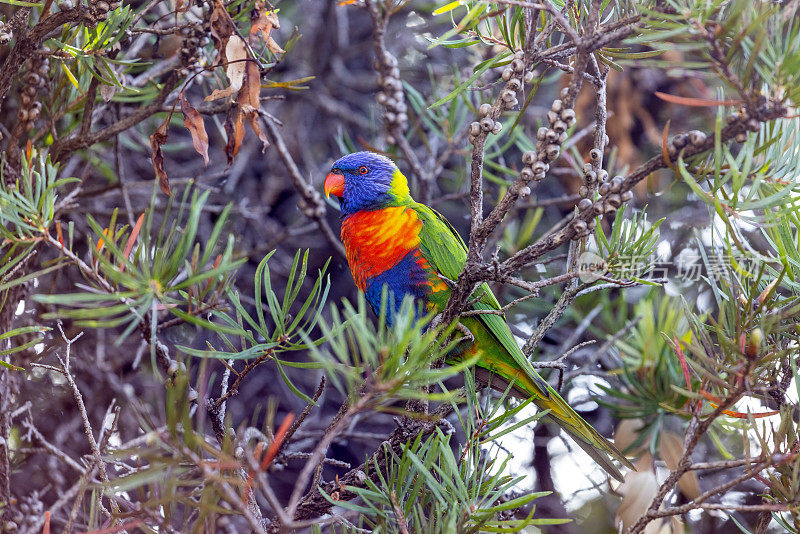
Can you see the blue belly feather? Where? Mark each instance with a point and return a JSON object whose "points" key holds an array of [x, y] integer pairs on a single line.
{"points": [[407, 277]]}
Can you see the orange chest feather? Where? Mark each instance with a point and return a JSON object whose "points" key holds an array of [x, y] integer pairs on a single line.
{"points": [[375, 241]]}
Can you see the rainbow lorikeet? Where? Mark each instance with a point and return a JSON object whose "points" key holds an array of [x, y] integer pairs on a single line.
{"points": [[391, 240]]}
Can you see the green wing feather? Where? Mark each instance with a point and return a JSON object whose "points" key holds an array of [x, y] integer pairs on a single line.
{"points": [[444, 249]]}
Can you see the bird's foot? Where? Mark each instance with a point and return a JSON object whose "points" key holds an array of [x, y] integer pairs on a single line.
{"points": [[468, 338]]}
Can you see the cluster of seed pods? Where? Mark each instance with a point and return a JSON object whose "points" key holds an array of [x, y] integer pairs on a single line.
{"points": [[193, 38], [611, 198], [750, 123], [23, 518], [391, 96], [100, 8], [35, 79], [694, 138], [513, 76], [548, 144]]}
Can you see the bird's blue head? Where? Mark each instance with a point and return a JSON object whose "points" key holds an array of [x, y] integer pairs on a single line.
{"points": [[366, 181]]}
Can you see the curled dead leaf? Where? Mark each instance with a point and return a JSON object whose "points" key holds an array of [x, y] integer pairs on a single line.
{"points": [[222, 27], [235, 59], [193, 122], [264, 21], [158, 138], [234, 129]]}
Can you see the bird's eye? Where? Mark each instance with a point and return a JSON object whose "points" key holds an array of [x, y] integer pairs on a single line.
{"points": [[363, 170]]}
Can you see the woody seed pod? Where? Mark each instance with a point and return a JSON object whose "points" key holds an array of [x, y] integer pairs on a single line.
{"points": [[580, 226], [497, 128], [562, 137], [485, 109], [584, 204], [552, 151], [508, 73], [564, 92], [528, 76], [557, 106], [539, 168], [541, 133], [597, 208], [560, 126], [733, 117], [487, 124], [697, 138], [627, 196], [595, 154], [525, 192], [529, 157], [508, 96], [679, 141], [616, 184], [475, 128], [526, 174], [741, 137], [753, 125], [552, 117], [381, 98], [614, 200], [587, 168], [604, 189], [551, 136], [390, 117], [513, 84], [602, 175], [519, 55], [518, 65]]}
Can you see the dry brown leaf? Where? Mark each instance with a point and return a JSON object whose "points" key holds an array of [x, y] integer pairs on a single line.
{"points": [[235, 59], [274, 47], [671, 451], [194, 123], [222, 27], [234, 128], [249, 98], [264, 21], [158, 138]]}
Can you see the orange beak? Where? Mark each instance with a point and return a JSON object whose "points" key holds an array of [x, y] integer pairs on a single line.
{"points": [[334, 185]]}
